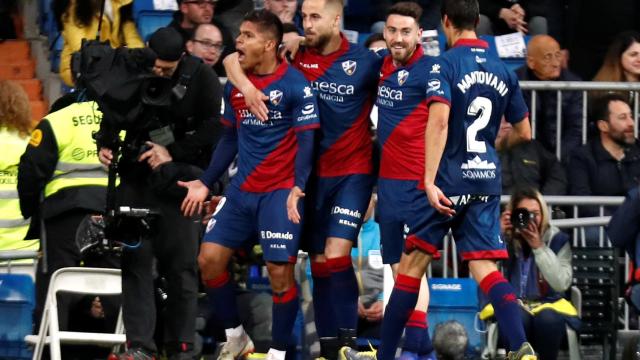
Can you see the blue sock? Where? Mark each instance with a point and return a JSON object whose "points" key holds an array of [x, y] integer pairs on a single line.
{"points": [[222, 299], [323, 308], [344, 292], [285, 310], [414, 331], [401, 304], [506, 308]]}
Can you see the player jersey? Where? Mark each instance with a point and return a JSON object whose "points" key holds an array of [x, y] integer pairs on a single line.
{"points": [[345, 81], [480, 90], [267, 150], [402, 117]]}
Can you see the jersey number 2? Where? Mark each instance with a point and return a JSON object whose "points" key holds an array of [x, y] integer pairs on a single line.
{"points": [[480, 105]]}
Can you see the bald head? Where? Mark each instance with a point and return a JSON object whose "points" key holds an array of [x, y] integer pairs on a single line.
{"points": [[544, 57]]}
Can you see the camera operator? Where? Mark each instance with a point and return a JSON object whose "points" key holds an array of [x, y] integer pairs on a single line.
{"points": [[539, 268], [174, 145]]}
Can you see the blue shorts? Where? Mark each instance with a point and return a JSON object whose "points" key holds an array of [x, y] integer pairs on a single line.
{"points": [[337, 206], [475, 228], [242, 216], [400, 205]]}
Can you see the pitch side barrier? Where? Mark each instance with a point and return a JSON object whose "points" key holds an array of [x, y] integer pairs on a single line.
{"points": [[583, 86]]}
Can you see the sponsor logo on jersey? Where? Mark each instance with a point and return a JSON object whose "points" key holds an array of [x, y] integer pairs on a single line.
{"points": [[308, 109], [349, 67], [275, 96], [307, 92], [480, 60], [435, 69], [343, 211], [267, 234], [402, 76], [308, 66], [331, 91], [238, 95], [433, 85], [478, 169]]}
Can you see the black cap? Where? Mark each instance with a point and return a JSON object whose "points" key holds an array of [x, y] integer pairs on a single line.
{"points": [[167, 43]]}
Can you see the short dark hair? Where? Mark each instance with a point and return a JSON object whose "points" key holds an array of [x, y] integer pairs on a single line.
{"points": [[600, 109], [406, 8], [266, 22], [289, 27], [463, 14], [373, 38]]}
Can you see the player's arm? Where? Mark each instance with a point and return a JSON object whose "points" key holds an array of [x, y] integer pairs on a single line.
{"points": [[521, 133], [253, 97], [435, 142], [305, 120]]}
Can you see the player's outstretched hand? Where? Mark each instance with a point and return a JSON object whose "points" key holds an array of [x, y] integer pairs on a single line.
{"points": [[197, 193], [255, 100], [292, 204], [439, 201]]}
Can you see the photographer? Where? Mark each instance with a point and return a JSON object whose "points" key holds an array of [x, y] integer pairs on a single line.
{"points": [[539, 268], [169, 142]]}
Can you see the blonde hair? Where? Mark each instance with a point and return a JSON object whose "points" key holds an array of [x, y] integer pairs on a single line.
{"points": [[15, 111], [531, 193]]}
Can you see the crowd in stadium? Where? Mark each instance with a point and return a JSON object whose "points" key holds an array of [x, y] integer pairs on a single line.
{"points": [[259, 170]]}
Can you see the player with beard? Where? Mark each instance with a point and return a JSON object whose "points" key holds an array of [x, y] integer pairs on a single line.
{"points": [[402, 114], [344, 77], [274, 161], [468, 91]]}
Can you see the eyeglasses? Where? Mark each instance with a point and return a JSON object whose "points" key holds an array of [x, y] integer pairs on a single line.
{"points": [[210, 45], [201, 3]]}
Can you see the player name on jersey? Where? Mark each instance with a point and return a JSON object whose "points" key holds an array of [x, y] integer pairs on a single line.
{"points": [[483, 78]]}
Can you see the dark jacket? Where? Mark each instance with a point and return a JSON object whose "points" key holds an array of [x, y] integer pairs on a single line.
{"points": [[546, 105], [530, 164], [593, 171], [491, 9], [227, 40]]}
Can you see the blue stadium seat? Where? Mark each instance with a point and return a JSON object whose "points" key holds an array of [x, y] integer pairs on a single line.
{"points": [[150, 21], [140, 6], [54, 54]]}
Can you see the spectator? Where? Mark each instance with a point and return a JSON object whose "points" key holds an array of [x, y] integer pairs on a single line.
{"points": [[529, 164], [543, 63], [539, 268], [499, 17], [15, 127], [206, 44], [231, 12], [367, 262], [7, 26], [615, 153], [192, 13], [375, 41], [622, 61], [450, 340], [289, 33], [287, 11], [80, 21]]}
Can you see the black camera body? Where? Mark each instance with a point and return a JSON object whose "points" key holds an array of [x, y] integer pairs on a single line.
{"points": [[521, 217]]}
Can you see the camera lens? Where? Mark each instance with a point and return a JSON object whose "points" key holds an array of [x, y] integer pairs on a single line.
{"points": [[520, 218]]}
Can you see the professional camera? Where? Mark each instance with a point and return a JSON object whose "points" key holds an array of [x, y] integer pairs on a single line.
{"points": [[521, 217]]}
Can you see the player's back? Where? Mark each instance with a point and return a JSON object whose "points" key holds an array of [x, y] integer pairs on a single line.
{"points": [[480, 90], [267, 150], [345, 82]]}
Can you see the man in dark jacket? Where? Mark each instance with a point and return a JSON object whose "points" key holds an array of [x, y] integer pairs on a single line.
{"points": [[192, 13], [608, 165], [529, 165], [543, 63]]}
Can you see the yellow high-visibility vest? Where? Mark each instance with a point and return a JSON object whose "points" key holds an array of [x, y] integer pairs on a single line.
{"points": [[78, 163], [13, 227]]}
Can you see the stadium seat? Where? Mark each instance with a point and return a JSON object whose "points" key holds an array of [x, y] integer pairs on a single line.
{"points": [[33, 88], [39, 109], [142, 6], [23, 69], [150, 21], [14, 50], [79, 281]]}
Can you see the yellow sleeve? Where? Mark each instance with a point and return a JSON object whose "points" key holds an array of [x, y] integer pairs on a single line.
{"points": [[72, 39], [131, 37]]}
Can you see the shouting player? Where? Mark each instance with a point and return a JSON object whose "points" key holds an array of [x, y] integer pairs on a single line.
{"points": [[274, 161], [402, 114], [468, 92], [344, 77]]}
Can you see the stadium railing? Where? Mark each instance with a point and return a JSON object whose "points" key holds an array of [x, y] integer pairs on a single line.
{"points": [[583, 86]]}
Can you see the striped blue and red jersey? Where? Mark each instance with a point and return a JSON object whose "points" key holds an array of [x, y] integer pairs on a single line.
{"points": [[345, 82], [267, 150], [402, 117]]}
